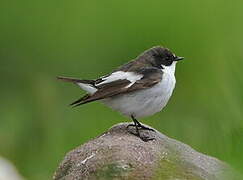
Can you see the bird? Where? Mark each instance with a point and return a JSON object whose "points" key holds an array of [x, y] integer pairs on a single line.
{"points": [[137, 89]]}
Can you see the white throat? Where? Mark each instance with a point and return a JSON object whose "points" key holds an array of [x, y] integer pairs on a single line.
{"points": [[170, 69]]}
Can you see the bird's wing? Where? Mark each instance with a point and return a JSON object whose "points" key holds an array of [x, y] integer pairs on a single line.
{"points": [[121, 82]]}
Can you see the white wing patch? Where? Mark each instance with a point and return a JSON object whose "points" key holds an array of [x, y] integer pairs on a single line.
{"points": [[87, 87], [119, 75]]}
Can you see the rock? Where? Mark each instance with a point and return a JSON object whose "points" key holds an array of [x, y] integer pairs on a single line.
{"points": [[118, 154]]}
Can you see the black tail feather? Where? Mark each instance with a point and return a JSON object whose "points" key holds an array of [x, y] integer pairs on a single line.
{"points": [[79, 101], [74, 80], [83, 99]]}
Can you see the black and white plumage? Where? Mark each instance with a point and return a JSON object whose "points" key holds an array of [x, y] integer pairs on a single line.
{"points": [[137, 89]]}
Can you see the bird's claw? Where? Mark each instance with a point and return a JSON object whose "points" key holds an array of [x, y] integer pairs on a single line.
{"points": [[138, 134]]}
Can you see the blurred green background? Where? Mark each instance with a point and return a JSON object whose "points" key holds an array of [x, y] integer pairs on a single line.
{"points": [[40, 40]]}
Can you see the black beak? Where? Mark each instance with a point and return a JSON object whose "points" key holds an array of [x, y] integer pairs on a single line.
{"points": [[178, 58]]}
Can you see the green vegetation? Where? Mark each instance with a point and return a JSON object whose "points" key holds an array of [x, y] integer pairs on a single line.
{"points": [[43, 39], [171, 170], [113, 171]]}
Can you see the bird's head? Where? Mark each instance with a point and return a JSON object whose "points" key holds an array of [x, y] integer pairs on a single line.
{"points": [[161, 57]]}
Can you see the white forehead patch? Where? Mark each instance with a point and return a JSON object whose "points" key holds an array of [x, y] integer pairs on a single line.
{"points": [[120, 75]]}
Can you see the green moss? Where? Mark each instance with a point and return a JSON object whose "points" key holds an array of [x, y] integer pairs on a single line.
{"points": [[113, 171], [172, 170]]}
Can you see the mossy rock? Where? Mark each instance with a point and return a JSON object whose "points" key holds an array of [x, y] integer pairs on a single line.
{"points": [[118, 154]]}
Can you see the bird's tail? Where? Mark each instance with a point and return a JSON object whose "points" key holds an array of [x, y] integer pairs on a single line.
{"points": [[87, 85], [74, 80]]}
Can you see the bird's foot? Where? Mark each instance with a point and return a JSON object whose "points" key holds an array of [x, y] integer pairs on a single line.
{"points": [[145, 128], [140, 126], [141, 134]]}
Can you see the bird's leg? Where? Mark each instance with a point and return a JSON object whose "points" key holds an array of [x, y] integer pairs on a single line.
{"points": [[138, 127], [136, 124]]}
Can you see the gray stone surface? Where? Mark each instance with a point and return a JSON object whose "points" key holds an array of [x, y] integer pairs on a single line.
{"points": [[118, 154]]}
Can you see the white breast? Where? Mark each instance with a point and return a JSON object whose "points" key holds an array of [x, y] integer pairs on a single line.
{"points": [[145, 102]]}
